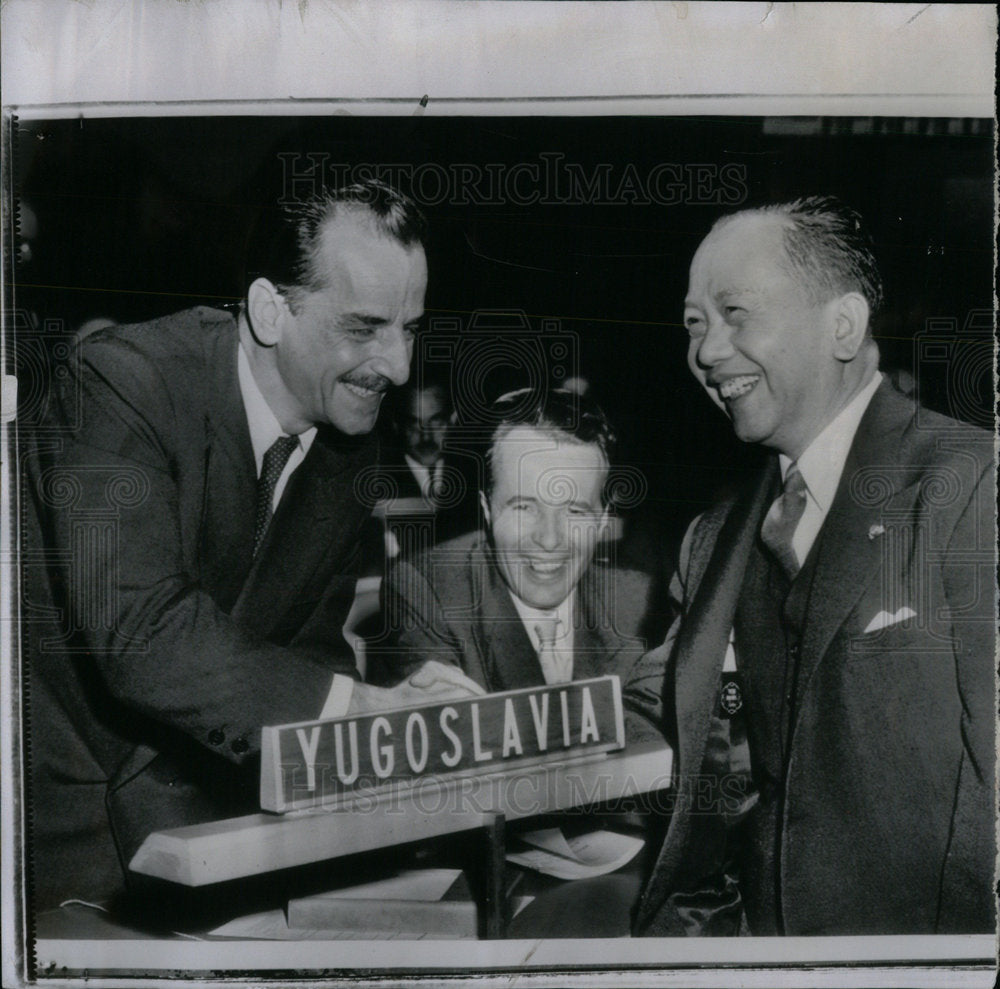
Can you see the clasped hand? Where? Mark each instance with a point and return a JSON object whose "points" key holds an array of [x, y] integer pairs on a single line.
{"points": [[433, 682]]}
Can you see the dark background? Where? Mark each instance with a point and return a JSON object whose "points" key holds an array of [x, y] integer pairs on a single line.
{"points": [[138, 218]]}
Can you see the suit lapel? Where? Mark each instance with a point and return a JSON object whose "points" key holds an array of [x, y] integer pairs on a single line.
{"points": [[511, 660], [705, 630], [226, 539], [596, 643], [592, 654], [850, 549], [310, 519]]}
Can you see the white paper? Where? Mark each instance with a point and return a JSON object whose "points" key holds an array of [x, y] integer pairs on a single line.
{"points": [[410, 884], [594, 853], [272, 925]]}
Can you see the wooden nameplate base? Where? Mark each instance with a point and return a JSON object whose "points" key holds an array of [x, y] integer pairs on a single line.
{"points": [[201, 854], [539, 773]]}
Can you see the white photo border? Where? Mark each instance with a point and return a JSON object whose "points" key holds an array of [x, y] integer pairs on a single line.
{"points": [[64, 59]]}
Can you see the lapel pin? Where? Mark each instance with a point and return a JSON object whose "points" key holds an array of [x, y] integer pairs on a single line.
{"points": [[875, 531]]}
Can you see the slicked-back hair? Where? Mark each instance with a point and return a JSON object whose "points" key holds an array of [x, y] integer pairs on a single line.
{"points": [[557, 413], [285, 244], [828, 248]]}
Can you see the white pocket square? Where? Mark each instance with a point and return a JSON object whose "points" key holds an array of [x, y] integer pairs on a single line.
{"points": [[884, 619]]}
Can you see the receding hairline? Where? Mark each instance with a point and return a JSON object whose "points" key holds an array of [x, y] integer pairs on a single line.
{"points": [[745, 218], [553, 433], [783, 226], [779, 222], [360, 217]]}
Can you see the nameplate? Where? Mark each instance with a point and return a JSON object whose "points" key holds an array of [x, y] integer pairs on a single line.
{"points": [[325, 763]]}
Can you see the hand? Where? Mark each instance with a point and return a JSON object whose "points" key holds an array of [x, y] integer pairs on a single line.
{"points": [[436, 677], [433, 682]]}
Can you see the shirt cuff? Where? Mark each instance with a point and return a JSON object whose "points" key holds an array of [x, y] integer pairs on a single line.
{"points": [[339, 698]]}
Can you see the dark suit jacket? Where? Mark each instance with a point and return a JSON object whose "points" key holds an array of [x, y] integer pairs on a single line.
{"points": [[452, 605], [887, 824], [455, 513], [395, 478], [157, 645]]}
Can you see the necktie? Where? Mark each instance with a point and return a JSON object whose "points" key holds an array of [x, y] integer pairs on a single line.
{"points": [[432, 486], [782, 519], [274, 463], [555, 666]]}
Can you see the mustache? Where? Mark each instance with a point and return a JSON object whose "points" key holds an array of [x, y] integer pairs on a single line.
{"points": [[373, 382]]}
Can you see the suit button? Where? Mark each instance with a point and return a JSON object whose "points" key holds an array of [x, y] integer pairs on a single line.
{"points": [[216, 736], [793, 650], [240, 745]]}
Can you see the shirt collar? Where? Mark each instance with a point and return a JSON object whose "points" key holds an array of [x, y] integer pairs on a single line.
{"points": [[531, 616], [822, 462], [420, 470], [264, 426]]}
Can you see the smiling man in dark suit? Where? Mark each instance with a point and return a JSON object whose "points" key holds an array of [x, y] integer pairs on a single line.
{"points": [[829, 682], [524, 602], [200, 524]]}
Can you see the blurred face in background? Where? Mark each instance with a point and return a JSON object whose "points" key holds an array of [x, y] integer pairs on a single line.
{"points": [[545, 512], [424, 424]]}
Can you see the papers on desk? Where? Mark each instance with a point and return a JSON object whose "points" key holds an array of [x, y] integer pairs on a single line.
{"points": [[271, 925], [580, 857], [422, 902], [410, 884], [416, 903]]}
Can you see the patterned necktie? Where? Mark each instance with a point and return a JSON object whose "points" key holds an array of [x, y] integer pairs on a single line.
{"points": [[782, 520], [274, 463], [555, 666]]}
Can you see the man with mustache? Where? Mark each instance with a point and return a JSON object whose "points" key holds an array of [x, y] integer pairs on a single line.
{"points": [[200, 516], [828, 686], [524, 602], [421, 427]]}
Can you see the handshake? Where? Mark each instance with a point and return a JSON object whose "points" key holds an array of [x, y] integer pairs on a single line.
{"points": [[434, 681]]}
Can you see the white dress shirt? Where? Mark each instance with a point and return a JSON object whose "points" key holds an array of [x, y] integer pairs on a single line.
{"points": [[428, 484], [563, 645], [264, 430], [821, 465]]}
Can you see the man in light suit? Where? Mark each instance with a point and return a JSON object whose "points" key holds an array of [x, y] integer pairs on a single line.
{"points": [[191, 538], [828, 685], [524, 602]]}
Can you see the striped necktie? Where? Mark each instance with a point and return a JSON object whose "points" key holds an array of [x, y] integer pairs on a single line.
{"points": [[274, 463], [556, 667], [782, 520]]}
